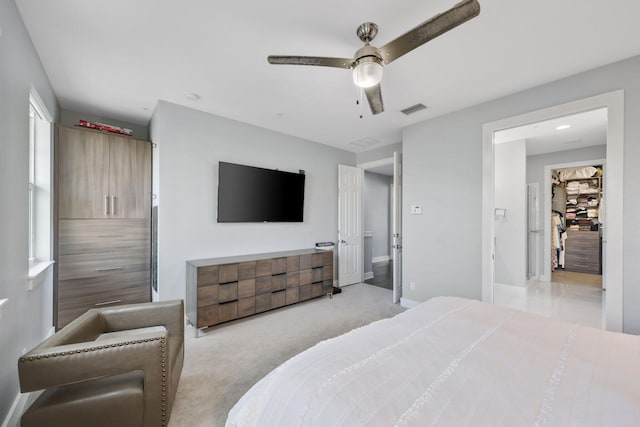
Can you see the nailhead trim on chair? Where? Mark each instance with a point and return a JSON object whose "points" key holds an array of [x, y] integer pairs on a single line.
{"points": [[163, 363]]}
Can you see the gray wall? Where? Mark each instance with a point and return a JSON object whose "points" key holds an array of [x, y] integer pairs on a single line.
{"points": [[70, 118], [535, 174], [443, 170], [510, 230], [27, 317], [377, 218], [190, 145]]}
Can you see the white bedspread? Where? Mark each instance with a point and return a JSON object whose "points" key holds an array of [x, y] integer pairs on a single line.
{"points": [[454, 362]]}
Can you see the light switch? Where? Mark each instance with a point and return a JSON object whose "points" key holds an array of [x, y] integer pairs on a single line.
{"points": [[416, 209]]}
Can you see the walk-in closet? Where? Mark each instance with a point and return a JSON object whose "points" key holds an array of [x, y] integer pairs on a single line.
{"points": [[577, 218]]}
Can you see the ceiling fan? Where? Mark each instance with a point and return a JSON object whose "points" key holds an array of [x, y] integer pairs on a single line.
{"points": [[368, 61]]}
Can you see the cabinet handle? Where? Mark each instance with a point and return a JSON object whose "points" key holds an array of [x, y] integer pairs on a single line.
{"points": [[115, 301], [106, 205], [109, 269], [113, 205]]}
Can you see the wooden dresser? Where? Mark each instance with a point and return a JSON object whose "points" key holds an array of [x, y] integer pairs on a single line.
{"points": [[224, 289], [102, 221], [582, 252]]}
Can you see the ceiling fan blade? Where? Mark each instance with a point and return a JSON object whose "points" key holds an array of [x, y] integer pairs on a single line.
{"points": [[374, 96], [430, 29], [311, 60]]}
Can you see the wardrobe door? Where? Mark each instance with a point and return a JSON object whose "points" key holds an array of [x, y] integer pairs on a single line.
{"points": [[130, 178], [82, 171]]}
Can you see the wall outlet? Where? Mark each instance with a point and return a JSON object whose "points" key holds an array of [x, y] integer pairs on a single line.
{"points": [[412, 286]]}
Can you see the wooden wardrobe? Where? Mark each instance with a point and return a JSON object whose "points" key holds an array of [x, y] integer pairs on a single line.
{"points": [[102, 233]]}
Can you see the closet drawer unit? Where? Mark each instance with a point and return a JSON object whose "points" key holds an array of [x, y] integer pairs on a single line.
{"points": [[80, 236], [327, 286], [582, 252], [316, 290], [327, 272], [101, 264], [305, 261], [75, 296]]}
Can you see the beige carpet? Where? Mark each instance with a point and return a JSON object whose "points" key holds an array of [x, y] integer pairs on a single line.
{"points": [[225, 361]]}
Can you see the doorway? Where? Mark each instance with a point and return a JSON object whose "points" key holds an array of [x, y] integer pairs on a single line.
{"points": [[612, 243], [383, 223]]}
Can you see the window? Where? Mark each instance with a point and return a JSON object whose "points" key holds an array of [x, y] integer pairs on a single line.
{"points": [[40, 212]]}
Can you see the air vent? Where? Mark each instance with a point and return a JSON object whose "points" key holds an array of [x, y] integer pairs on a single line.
{"points": [[414, 109]]}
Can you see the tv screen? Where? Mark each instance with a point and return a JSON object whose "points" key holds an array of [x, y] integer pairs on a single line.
{"points": [[250, 194]]}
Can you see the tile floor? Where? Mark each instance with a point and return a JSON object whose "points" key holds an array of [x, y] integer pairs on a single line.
{"points": [[574, 297]]}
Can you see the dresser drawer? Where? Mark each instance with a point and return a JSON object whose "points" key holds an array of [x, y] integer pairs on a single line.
{"points": [[102, 264], [80, 236]]}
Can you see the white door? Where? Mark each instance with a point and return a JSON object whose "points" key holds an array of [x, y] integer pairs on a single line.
{"points": [[397, 227], [350, 225]]}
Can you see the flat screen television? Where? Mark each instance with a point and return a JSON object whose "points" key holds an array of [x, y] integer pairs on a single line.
{"points": [[251, 194]]}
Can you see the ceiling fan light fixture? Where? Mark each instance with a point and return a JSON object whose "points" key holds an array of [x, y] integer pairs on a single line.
{"points": [[367, 72]]}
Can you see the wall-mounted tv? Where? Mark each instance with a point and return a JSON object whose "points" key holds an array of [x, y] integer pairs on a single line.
{"points": [[251, 194]]}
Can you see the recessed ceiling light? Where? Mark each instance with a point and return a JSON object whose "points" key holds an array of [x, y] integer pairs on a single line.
{"points": [[192, 96], [563, 127]]}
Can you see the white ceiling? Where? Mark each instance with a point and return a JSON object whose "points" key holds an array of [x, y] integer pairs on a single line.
{"points": [[585, 130], [117, 59]]}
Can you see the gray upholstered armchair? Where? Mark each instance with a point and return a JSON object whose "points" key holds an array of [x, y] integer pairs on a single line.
{"points": [[116, 366]]}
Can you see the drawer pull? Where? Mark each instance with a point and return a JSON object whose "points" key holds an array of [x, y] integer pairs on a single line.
{"points": [[110, 235], [115, 301], [109, 269]]}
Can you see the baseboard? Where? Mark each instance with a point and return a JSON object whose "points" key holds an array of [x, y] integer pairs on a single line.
{"points": [[368, 275], [408, 303], [381, 258]]}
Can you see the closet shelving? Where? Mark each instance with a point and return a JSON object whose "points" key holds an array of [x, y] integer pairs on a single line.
{"points": [[583, 203]]}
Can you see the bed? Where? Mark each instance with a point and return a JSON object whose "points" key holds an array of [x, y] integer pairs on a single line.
{"points": [[454, 362]]}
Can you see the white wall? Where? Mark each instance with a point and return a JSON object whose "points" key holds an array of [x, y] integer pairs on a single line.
{"points": [[535, 174], [377, 212], [27, 317], [511, 194], [190, 145], [443, 166]]}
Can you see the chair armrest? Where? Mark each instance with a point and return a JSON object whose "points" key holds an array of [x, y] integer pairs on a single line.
{"points": [[169, 314], [52, 366]]}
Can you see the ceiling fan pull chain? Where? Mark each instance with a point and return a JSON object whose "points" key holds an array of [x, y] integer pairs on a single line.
{"points": [[359, 102]]}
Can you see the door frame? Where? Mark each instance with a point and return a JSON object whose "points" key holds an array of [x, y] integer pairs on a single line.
{"points": [[613, 245]]}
